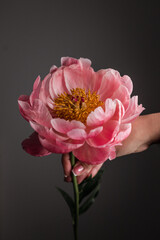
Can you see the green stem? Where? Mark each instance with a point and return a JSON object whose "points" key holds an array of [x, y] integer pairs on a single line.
{"points": [[76, 199]]}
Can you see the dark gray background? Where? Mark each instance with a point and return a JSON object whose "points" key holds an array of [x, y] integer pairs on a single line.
{"points": [[123, 35]]}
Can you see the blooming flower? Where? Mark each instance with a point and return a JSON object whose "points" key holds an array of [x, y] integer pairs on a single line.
{"points": [[77, 109]]}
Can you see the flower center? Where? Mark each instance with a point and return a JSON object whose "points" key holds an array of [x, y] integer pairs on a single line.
{"points": [[77, 105]]}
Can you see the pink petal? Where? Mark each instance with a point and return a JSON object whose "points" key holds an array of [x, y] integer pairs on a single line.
{"points": [[36, 83], [67, 61], [33, 146], [77, 77], [94, 132], [77, 134], [96, 117], [110, 130], [122, 95], [110, 107], [133, 110], [119, 112], [36, 89], [58, 146], [91, 155], [124, 131], [38, 112], [63, 126], [127, 82], [85, 62], [57, 84], [24, 105], [46, 132], [112, 153], [110, 81], [53, 69], [44, 91]]}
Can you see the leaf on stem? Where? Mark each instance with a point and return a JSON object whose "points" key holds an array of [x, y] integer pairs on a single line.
{"points": [[68, 200], [88, 203]]}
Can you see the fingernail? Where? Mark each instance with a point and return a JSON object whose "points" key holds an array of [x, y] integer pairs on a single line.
{"points": [[77, 169], [65, 176]]}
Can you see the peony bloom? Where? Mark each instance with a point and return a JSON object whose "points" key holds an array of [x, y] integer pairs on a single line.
{"points": [[79, 110]]}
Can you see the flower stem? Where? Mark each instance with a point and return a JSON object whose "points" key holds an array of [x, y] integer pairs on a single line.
{"points": [[76, 199]]}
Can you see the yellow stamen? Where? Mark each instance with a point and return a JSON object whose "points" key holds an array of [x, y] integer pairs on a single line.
{"points": [[77, 105]]}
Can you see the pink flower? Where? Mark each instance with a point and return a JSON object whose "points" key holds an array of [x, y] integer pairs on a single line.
{"points": [[79, 110]]}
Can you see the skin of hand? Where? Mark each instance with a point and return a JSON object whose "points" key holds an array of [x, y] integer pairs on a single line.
{"points": [[145, 131]]}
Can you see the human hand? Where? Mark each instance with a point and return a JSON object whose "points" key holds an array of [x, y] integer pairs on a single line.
{"points": [[145, 131]]}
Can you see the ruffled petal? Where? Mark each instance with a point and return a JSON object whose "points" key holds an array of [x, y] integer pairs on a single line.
{"points": [[67, 61], [36, 89], [110, 81], [124, 131], [110, 107], [38, 112], [110, 129], [94, 132], [23, 103], [44, 94], [122, 95], [77, 134], [64, 126], [57, 84], [46, 132], [91, 155], [96, 117], [127, 82], [53, 69], [58, 146], [119, 112], [133, 110], [78, 76], [33, 146]]}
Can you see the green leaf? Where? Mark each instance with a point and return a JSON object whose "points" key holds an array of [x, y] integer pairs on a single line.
{"points": [[68, 200], [88, 186], [91, 199]]}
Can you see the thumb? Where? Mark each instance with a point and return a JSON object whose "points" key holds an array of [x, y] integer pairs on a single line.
{"points": [[81, 168]]}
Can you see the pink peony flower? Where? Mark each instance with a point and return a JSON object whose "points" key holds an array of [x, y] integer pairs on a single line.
{"points": [[79, 110]]}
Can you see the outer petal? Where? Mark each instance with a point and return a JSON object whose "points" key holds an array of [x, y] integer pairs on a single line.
{"points": [[53, 69], [96, 117], [110, 129], [58, 146], [94, 132], [23, 103], [33, 146], [57, 84], [44, 91], [127, 82], [119, 112], [38, 112], [67, 61], [63, 126], [91, 155], [125, 130], [112, 153], [79, 76], [110, 81], [133, 110], [77, 134], [47, 133], [122, 95], [99, 116], [36, 89]]}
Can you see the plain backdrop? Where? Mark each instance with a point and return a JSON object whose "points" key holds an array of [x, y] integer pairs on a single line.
{"points": [[122, 35]]}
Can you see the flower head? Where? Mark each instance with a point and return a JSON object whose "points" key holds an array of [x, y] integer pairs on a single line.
{"points": [[77, 109]]}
